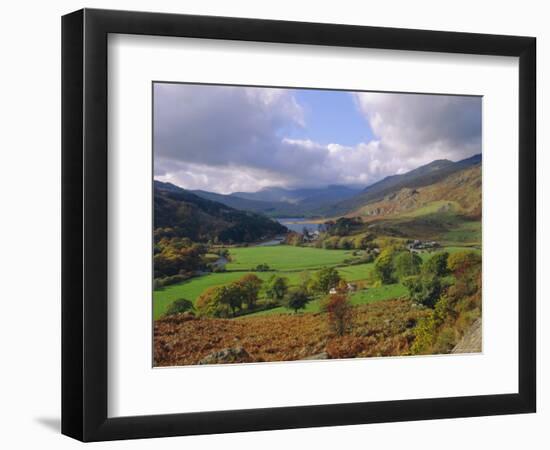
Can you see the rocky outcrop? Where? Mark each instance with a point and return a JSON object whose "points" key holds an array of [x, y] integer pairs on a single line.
{"points": [[322, 355], [226, 356], [471, 341]]}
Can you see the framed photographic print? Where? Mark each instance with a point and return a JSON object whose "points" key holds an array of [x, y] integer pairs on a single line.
{"points": [[273, 224]]}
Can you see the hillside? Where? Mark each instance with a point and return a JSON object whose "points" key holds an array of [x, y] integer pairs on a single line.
{"points": [[380, 329], [336, 200], [202, 220], [422, 176], [448, 211], [459, 192]]}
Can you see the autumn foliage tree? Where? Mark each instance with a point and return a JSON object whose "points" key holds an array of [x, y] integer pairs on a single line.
{"points": [[247, 289], [212, 303], [226, 300], [339, 311], [177, 255]]}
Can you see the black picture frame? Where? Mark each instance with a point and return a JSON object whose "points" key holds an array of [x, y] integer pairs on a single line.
{"points": [[84, 224]]}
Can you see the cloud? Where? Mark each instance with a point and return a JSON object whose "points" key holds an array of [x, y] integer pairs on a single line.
{"points": [[228, 139], [418, 128]]}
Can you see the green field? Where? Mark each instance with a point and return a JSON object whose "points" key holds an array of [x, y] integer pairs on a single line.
{"points": [[193, 288], [288, 261], [362, 297], [285, 257]]}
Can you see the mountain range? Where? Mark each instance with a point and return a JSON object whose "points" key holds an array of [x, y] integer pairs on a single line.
{"points": [[336, 200], [280, 202]]}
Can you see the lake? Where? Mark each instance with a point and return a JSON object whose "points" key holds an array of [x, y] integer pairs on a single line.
{"points": [[297, 224]]}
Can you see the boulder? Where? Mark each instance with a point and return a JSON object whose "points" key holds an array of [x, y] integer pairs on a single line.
{"points": [[227, 356], [322, 355]]}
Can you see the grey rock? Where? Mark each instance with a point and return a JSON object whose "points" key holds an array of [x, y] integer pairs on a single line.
{"points": [[322, 355], [227, 355]]}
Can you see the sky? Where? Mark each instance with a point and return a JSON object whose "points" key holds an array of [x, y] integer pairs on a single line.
{"points": [[242, 139]]}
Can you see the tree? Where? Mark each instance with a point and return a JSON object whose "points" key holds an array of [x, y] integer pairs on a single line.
{"points": [[293, 238], [463, 261], [177, 255], [179, 306], [407, 264], [361, 242], [326, 279], [297, 299], [249, 286], [436, 265], [339, 311], [345, 244], [466, 267], [424, 289], [426, 330], [210, 303], [233, 295], [383, 266], [305, 280], [220, 301], [276, 288]]}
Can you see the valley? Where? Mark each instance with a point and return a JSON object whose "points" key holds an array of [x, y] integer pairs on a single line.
{"points": [[396, 264]]}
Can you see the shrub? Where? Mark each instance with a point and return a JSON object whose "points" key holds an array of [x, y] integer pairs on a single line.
{"points": [[424, 336], [180, 306], [445, 340], [262, 268]]}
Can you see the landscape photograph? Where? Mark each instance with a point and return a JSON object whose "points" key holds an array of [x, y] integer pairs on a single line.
{"points": [[308, 224]]}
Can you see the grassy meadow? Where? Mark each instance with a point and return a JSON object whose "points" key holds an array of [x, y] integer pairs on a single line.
{"points": [[300, 259], [287, 261], [285, 257]]}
